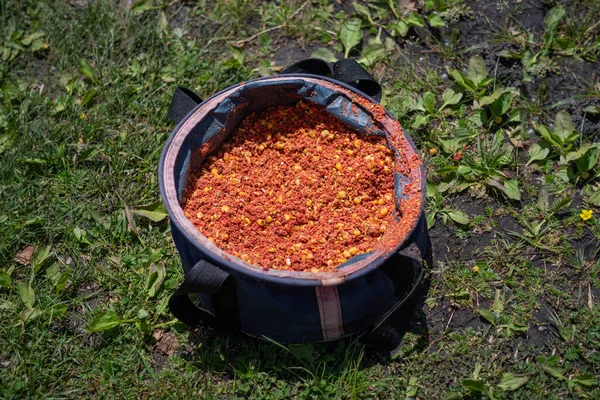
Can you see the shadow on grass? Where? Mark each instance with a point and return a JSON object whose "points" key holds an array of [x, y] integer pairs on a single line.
{"points": [[342, 364]]}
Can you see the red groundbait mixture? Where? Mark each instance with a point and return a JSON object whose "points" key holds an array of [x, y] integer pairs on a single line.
{"points": [[293, 188]]}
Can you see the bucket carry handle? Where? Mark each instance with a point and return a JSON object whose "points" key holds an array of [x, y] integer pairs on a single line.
{"points": [[347, 71], [206, 278]]}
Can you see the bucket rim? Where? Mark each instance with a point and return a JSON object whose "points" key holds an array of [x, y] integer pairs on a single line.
{"points": [[236, 266]]}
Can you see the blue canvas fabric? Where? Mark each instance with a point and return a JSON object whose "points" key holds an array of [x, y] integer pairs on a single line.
{"points": [[285, 309]]}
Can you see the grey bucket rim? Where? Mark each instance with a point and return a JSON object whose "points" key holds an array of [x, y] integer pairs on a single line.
{"points": [[237, 266]]}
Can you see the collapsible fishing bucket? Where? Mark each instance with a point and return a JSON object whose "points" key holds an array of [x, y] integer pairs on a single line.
{"points": [[290, 306]]}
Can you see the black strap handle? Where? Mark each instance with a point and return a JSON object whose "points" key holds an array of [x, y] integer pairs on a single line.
{"points": [[347, 70], [206, 278], [184, 101], [387, 333]]}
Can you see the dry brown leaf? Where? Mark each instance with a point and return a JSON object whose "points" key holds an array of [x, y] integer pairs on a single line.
{"points": [[24, 256], [168, 343]]}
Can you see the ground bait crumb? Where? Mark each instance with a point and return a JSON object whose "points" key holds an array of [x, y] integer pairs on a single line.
{"points": [[293, 188]]}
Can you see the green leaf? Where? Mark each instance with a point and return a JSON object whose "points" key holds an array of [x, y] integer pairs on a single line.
{"points": [[429, 102], [350, 35], [86, 69], [420, 120], [400, 27], [585, 380], [473, 385], [373, 52], [459, 217], [511, 382], [450, 98], [509, 54], [57, 311], [553, 17], [31, 38], [412, 18], [511, 189], [324, 54], [26, 293], [103, 322], [430, 220], [477, 71], [487, 315], [502, 104], [88, 96], [141, 6], [536, 152], [29, 315], [563, 125], [435, 21], [589, 160], [155, 211], [5, 280], [415, 103], [592, 110], [363, 10], [156, 276], [39, 256], [553, 372], [462, 80]]}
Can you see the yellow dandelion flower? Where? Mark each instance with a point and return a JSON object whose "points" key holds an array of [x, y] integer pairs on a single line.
{"points": [[586, 214], [82, 116], [476, 269]]}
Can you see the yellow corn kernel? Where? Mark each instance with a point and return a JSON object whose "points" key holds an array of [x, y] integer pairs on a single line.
{"points": [[350, 152], [272, 250], [381, 201], [357, 143], [346, 254], [199, 215], [382, 228], [297, 167], [279, 145], [214, 171], [207, 188], [356, 232], [309, 203], [287, 217], [268, 220], [357, 200], [383, 211], [338, 166], [225, 209], [261, 147], [324, 133], [353, 251], [341, 194], [260, 222]]}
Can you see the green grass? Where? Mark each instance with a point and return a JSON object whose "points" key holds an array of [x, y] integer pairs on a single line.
{"points": [[515, 284]]}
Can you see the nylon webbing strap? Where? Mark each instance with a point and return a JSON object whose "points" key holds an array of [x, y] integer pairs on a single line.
{"points": [[205, 278], [350, 72], [183, 101], [313, 66], [347, 70]]}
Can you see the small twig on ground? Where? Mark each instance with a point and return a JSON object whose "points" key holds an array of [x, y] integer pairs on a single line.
{"points": [[251, 38]]}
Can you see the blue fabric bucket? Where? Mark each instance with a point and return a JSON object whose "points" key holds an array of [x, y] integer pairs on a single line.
{"points": [[290, 306]]}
